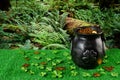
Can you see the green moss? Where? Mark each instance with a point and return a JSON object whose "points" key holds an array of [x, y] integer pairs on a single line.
{"points": [[12, 68]]}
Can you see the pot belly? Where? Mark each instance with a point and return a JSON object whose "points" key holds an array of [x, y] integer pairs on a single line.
{"points": [[86, 53]]}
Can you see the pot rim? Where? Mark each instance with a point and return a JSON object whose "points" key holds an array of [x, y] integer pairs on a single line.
{"points": [[98, 29]]}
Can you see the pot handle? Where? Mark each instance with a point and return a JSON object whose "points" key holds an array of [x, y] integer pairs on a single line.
{"points": [[103, 37]]}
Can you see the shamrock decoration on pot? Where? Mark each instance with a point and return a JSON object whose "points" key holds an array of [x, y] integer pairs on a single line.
{"points": [[87, 49]]}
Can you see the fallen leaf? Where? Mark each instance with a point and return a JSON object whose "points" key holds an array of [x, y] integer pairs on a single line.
{"points": [[27, 58], [36, 52], [108, 68], [60, 68], [43, 63], [26, 65], [96, 74]]}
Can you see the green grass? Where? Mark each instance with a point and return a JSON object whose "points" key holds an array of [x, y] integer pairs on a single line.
{"points": [[12, 61]]}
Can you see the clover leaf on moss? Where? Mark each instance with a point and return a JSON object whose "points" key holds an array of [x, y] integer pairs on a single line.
{"points": [[72, 67], [58, 61], [85, 74], [48, 59], [37, 57], [74, 73], [54, 52], [100, 70], [57, 74], [65, 54], [34, 64], [105, 61], [106, 57], [43, 53], [31, 72], [24, 69], [118, 62], [69, 58], [114, 74], [43, 74], [49, 68], [54, 64], [69, 62], [41, 67]]}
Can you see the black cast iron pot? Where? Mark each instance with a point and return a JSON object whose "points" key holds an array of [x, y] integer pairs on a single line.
{"points": [[87, 50]]}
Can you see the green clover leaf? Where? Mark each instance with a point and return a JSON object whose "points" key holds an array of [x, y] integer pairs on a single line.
{"points": [[37, 57], [54, 64], [72, 67], [58, 61], [65, 54], [43, 74], [100, 70], [48, 59], [85, 74], [57, 74], [24, 69], [49, 68], [74, 73], [118, 62], [31, 72], [69, 57], [40, 67], [114, 74]]}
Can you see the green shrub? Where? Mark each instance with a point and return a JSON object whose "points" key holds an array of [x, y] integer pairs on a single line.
{"points": [[108, 20]]}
